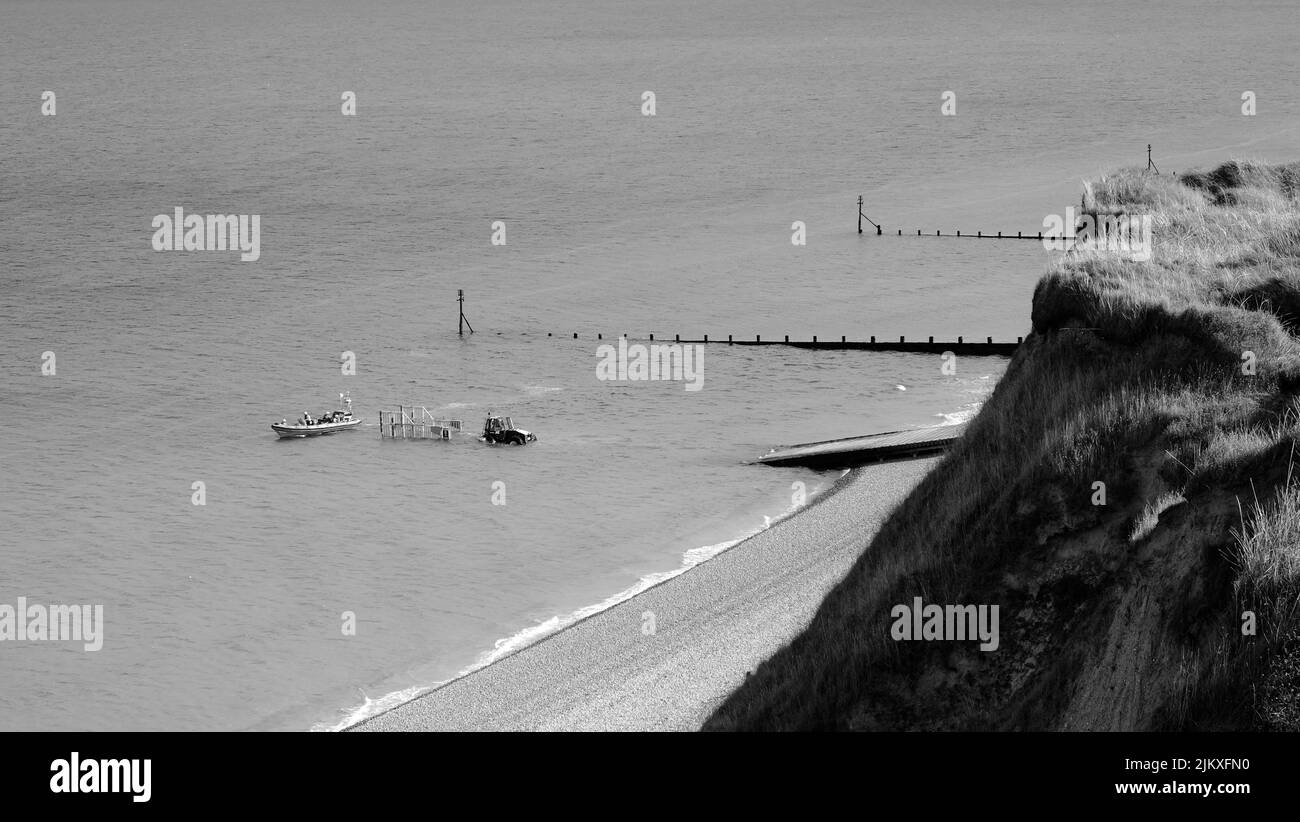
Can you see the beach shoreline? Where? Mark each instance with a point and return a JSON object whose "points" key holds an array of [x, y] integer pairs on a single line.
{"points": [[527, 637], [662, 658]]}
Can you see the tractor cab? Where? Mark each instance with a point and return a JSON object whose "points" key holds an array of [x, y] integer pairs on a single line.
{"points": [[502, 430], [497, 425]]}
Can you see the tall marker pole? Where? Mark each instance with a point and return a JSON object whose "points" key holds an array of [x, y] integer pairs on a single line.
{"points": [[460, 298], [861, 215]]}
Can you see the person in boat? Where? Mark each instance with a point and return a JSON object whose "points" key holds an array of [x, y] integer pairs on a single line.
{"points": [[306, 418]]}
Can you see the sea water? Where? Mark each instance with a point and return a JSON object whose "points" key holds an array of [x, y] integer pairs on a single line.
{"points": [[323, 579]]}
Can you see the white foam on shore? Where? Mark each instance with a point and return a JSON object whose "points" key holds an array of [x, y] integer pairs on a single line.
{"points": [[371, 707], [963, 414], [959, 416], [528, 636]]}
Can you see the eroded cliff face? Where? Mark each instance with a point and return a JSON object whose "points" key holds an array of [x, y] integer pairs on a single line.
{"points": [[1124, 498], [1099, 631]]}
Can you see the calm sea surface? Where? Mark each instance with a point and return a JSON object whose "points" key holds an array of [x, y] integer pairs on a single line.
{"points": [[170, 366]]}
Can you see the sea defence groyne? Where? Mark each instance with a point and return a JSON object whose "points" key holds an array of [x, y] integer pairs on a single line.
{"points": [[854, 451], [986, 348]]}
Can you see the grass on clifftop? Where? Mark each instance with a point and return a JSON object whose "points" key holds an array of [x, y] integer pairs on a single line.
{"points": [[1171, 381]]}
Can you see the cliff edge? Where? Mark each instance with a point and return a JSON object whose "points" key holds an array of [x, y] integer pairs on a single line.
{"points": [[1125, 499]]}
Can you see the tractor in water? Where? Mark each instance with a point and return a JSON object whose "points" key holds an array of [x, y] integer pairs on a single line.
{"points": [[502, 430]]}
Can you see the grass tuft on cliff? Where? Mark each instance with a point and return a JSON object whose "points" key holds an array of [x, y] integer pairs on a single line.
{"points": [[1128, 497]]}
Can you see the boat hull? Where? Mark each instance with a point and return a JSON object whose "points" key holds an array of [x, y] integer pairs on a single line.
{"points": [[291, 431]]}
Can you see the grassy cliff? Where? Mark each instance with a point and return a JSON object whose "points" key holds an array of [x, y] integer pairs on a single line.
{"points": [[1172, 382]]}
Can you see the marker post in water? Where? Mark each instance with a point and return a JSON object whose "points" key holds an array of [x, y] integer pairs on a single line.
{"points": [[460, 298], [861, 215]]}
